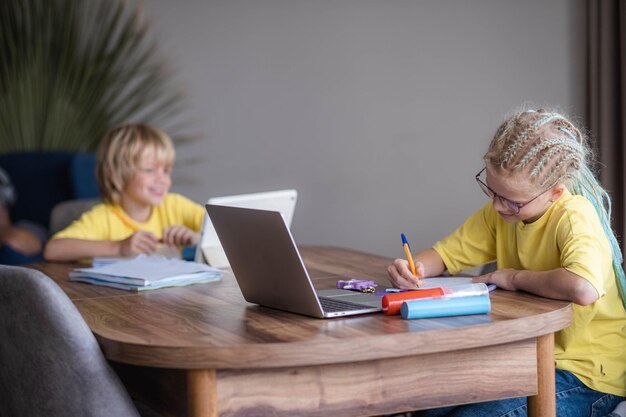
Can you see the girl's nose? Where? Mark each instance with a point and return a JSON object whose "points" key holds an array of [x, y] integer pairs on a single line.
{"points": [[498, 205]]}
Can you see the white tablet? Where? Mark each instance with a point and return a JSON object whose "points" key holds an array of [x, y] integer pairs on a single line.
{"points": [[209, 249]]}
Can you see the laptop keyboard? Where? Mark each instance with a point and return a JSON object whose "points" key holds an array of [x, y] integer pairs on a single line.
{"points": [[331, 305]]}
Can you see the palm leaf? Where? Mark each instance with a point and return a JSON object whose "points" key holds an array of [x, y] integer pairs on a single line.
{"points": [[71, 69]]}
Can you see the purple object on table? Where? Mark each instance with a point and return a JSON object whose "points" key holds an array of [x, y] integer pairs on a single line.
{"points": [[356, 284]]}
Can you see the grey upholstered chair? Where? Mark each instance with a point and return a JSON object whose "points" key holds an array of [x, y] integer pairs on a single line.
{"points": [[65, 212], [50, 362]]}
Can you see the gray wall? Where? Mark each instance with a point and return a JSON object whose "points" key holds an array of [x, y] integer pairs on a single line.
{"points": [[376, 111]]}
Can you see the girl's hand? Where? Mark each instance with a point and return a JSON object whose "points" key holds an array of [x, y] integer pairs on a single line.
{"points": [[180, 236], [503, 278], [400, 274], [139, 242]]}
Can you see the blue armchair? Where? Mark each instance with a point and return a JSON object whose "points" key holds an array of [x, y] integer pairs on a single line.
{"points": [[42, 180]]}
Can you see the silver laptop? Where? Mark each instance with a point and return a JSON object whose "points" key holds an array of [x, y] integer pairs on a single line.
{"points": [[210, 251], [269, 269]]}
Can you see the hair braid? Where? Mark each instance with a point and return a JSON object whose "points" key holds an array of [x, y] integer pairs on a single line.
{"points": [[555, 175], [587, 186], [515, 147], [552, 146]]}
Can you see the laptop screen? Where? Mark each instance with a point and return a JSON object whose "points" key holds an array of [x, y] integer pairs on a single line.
{"points": [[209, 249]]}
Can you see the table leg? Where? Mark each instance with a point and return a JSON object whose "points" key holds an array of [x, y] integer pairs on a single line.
{"points": [[202, 393], [544, 403]]}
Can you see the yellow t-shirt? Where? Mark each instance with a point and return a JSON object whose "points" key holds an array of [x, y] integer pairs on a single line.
{"points": [[568, 235], [104, 222]]}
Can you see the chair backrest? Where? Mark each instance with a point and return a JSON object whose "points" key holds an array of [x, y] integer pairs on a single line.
{"points": [[42, 179], [51, 364], [64, 213], [83, 175]]}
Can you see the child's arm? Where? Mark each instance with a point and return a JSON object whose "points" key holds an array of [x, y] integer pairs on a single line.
{"points": [[70, 249], [559, 284], [21, 240], [428, 263]]}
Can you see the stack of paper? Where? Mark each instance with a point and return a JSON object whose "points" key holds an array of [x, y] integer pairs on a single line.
{"points": [[99, 261], [147, 273]]}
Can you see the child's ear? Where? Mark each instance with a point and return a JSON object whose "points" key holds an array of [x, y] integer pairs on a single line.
{"points": [[557, 191], [113, 179]]}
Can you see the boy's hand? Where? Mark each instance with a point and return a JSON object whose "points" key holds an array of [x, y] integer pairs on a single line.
{"points": [[400, 274], [180, 236], [139, 242]]}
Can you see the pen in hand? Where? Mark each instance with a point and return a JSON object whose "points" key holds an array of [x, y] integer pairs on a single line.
{"points": [[407, 250]]}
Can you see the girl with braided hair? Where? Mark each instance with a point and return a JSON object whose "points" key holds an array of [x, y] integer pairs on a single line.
{"points": [[548, 228]]}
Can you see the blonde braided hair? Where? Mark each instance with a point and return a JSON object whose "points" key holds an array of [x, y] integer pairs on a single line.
{"points": [[554, 151]]}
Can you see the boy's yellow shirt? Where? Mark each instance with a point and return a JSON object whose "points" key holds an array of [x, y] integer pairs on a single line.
{"points": [[568, 235], [103, 222]]}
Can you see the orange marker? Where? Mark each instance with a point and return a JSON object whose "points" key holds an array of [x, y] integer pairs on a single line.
{"points": [[392, 303]]}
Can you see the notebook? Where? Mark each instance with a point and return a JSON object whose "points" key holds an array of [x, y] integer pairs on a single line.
{"points": [[146, 272], [209, 249], [270, 271]]}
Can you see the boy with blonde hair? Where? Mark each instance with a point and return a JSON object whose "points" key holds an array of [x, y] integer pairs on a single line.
{"points": [[137, 213]]}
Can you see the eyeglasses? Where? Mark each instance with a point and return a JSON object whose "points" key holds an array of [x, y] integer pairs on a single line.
{"points": [[513, 205]]}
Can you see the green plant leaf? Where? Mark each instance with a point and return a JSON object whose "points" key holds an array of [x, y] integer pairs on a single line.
{"points": [[72, 69]]}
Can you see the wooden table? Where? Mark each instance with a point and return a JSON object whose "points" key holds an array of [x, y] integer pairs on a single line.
{"points": [[230, 358]]}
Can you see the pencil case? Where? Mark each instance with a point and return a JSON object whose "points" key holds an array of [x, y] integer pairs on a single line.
{"points": [[392, 303], [445, 307]]}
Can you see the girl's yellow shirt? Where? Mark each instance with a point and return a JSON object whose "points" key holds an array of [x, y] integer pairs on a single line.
{"points": [[568, 235], [110, 222]]}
